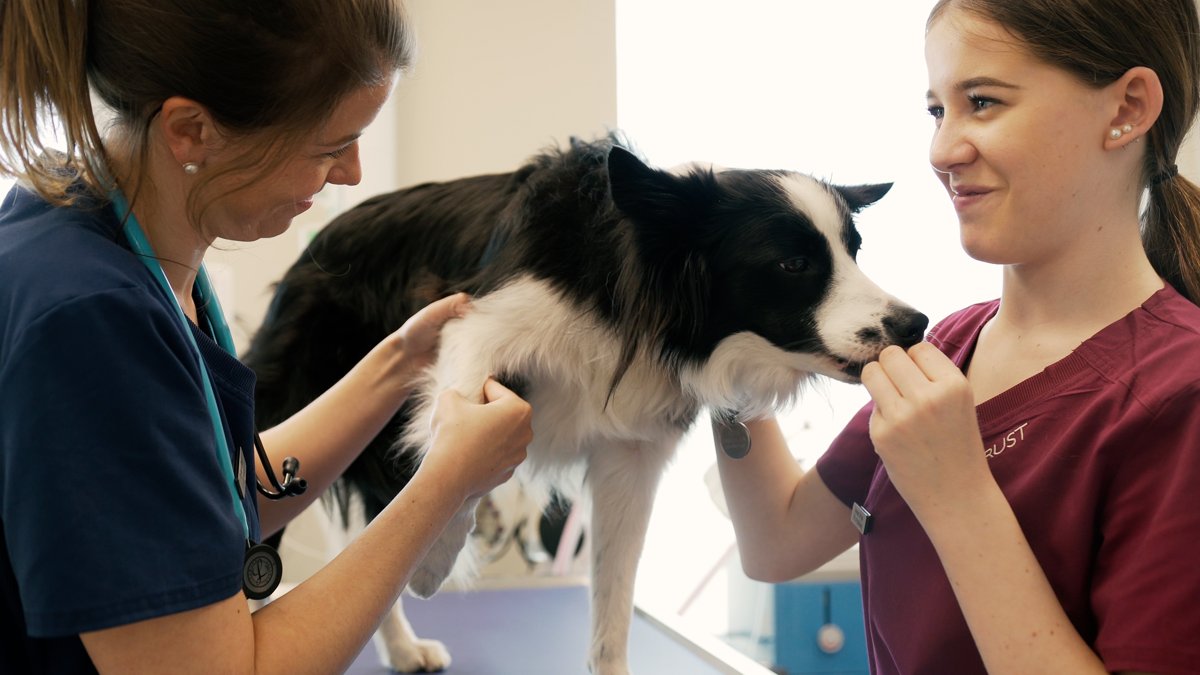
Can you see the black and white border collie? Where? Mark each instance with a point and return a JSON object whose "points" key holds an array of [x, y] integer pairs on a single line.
{"points": [[621, 300]]}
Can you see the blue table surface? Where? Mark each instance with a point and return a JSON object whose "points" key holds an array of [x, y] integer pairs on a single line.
{"points": [[530, 631]]}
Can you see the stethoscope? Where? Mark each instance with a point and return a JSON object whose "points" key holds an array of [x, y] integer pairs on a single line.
{"points": [[263, 568]]}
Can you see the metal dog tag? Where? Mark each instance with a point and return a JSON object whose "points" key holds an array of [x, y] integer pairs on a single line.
{"points": [[731, 436]]}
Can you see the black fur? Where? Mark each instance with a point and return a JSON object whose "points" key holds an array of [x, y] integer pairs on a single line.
{"points": [[651, 253]]}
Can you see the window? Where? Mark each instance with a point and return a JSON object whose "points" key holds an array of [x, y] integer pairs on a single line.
{"points": [[835, 90]]}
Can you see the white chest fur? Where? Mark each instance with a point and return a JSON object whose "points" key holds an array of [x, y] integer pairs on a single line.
{"points": [[567, 358]]}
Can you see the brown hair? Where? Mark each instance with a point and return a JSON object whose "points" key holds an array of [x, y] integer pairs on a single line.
{"points": [[268, 72], [1099, 41]]}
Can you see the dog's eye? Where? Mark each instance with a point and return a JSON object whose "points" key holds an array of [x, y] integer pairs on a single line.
{"points": [[794, 265]]}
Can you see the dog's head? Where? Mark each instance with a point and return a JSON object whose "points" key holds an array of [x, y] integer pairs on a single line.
{"points": [[753, 279]]}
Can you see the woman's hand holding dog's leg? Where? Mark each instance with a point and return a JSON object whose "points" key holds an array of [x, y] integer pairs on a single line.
{"points": [[332, 430], [475, 446]]}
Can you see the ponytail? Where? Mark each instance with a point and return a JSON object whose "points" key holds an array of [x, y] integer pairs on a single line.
{"points": [[43, 76], [1171, 232]]}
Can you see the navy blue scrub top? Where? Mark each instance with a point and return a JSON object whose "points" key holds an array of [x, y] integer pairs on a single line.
{"points": [[113, 506]]}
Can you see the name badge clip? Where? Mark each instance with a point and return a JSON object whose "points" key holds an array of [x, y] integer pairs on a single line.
{"points": [[861, 518]]}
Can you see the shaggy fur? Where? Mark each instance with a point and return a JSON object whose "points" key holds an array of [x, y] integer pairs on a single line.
{"points": [[620, 299]]}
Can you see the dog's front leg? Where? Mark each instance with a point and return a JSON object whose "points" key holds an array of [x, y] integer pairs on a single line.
{"points": [[622, 479], [461, 366], [441, 558], [400, 648]]}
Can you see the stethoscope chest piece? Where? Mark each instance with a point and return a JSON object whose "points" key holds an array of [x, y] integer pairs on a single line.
{"points": [[261, 572]]}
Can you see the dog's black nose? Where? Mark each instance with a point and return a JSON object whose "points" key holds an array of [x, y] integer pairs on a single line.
{"points": [[905, 327]]}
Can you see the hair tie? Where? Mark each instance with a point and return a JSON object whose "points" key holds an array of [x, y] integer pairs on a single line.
{"points": [[1165, 176]]}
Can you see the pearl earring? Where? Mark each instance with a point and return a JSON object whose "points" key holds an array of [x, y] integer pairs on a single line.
{"points": [[1114, 133], [191, 168], [1128, 128]]}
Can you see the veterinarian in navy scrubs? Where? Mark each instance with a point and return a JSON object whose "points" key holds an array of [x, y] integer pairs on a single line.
{"points": [[1024, 482], [130, 521]]}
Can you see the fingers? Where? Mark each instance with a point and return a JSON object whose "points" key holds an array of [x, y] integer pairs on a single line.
{"points": [[902, 370], [889, 379], [922, 364], [933, 362], [898, 374], [879, 386], [482, 441], [440, 311], [461, 303], [493, 390], [418, 337], [495, 393]]}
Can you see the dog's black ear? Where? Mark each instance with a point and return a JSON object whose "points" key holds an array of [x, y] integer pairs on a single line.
{"points": [[859, 197], [648, 195], [636, 188]]}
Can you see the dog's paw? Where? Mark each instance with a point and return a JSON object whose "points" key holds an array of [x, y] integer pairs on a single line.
{"points": [[425, 582], [422, 656]]}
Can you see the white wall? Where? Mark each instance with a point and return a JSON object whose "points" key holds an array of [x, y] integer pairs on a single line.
{"points": [[496, 81]]}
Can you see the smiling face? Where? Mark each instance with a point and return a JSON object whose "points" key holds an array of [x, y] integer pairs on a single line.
{"points": [[1016, 143], [266, 207]]}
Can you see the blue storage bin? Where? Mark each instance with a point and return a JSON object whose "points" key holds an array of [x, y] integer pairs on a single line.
{"points": [[801, 610]]}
